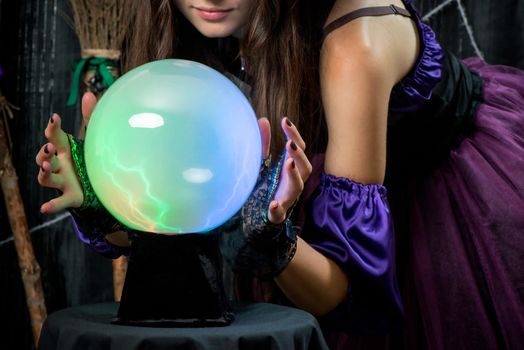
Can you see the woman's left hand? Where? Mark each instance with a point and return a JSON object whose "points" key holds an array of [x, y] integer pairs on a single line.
{"points": [[295, 170], [267, 241]]}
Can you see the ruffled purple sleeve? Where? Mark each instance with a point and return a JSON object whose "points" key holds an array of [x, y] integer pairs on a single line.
{"points": [[95, 240], [415, 89], [351, 224]]}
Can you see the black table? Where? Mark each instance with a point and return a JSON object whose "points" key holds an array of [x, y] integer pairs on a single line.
{"points": [[256, 326]]}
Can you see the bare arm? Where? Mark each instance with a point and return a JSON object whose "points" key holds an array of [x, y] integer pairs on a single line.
{"points": [[358, 70]]}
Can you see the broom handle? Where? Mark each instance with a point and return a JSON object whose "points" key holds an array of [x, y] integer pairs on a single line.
{"points": [[29, 268], [119, 276]]}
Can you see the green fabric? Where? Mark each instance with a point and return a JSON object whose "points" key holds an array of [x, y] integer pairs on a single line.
{"points": [[100, 65], [91, 217], [77, 154]]}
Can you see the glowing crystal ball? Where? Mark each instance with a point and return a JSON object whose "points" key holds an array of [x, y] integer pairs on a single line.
{"points": [[173, 146]]}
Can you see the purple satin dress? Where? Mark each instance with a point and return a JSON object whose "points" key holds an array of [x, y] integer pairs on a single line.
{"points": [[457, 202]]}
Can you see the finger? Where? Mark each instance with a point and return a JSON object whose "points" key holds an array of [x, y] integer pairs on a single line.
{"points": [[56, 205], [276, 213], [47, 179], [56, 135], [301, 161], [88, 105], [294, 185], [52, 162], [292, 133], [265, 134], [290, 186], [52, 165], [44, 154]]}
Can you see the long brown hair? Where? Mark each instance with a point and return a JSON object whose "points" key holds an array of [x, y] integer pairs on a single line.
{"points": [[281, 45]]}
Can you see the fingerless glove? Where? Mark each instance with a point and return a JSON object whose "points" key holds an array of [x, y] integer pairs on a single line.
{"points": [[260, 247]]}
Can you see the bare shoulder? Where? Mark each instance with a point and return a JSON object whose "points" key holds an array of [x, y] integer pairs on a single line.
{"points": [[387, 44], [360, 63]]}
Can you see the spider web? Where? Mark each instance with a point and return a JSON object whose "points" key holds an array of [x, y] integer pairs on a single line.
{"points": [[443, 9]]}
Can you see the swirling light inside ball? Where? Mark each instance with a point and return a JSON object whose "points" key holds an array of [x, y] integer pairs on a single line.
{"points": [[173, 146]]}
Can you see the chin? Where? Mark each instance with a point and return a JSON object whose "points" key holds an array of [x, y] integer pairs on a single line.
{"points": [[215, 31]]}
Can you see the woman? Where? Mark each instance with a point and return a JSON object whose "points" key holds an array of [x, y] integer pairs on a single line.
{"points": [[388, 92]]}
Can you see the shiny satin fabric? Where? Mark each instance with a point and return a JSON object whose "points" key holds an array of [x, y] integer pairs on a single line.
{"points": [[351, 224], [416, 88]]}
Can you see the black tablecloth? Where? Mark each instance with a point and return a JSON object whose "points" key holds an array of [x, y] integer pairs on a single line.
{"points": [[256, 326]]}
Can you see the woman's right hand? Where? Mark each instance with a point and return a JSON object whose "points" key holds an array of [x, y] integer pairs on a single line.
{"points": [[56, 166]]}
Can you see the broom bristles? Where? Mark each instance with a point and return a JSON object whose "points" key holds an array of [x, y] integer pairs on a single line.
{"points": [[100, 24]]}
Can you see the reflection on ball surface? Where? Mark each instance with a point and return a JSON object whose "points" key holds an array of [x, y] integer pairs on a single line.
{"points": [[173, 146]]}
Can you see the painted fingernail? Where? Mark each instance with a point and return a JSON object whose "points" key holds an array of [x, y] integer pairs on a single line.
{"points": [[46, 150], [288, 122], [52, 119], [293, 146], [43, 170], [56, 154], [293, 164]]}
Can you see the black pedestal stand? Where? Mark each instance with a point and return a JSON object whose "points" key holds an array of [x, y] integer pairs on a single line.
{"points": [[174, 281]]}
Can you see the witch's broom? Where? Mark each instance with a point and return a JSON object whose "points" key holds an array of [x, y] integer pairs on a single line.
{"points": [[100, 26]]}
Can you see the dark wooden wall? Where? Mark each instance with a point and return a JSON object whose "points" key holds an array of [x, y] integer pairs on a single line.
{"points": [[36, 50], [497, 27]]}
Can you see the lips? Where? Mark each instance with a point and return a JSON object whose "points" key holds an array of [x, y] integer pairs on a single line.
{"points": [[212, 14]]}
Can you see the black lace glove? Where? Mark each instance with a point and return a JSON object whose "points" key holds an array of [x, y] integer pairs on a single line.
{"points": [[92, 217], [258, 246]]}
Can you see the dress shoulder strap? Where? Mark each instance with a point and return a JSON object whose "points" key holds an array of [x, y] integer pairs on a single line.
{"points": [[366, 11]]}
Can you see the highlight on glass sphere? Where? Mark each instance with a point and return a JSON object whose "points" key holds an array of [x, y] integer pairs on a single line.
{"points": [[173, 146]]}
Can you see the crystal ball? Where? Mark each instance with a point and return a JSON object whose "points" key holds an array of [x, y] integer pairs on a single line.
{"points": [[173, 147]]}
